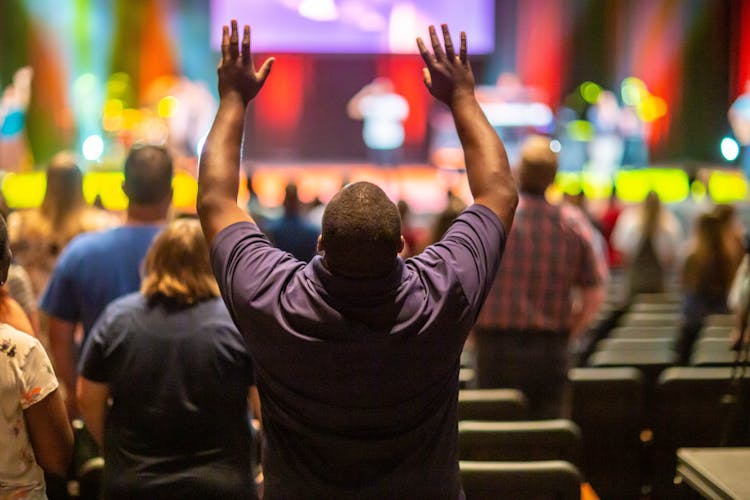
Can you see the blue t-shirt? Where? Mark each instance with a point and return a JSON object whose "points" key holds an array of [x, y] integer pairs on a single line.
{"points": [[93, 270], [359, 378], [179, 379]]}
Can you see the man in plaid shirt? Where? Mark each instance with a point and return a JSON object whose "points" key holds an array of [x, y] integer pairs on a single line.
{"points": [[549, 287]]}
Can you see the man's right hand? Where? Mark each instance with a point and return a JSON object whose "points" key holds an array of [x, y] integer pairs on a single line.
{"points": [[447, 76], [237, 75]]}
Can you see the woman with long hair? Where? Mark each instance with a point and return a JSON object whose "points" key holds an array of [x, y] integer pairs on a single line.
{"points": [[37, 236], [707, 276], [36, 434], [649, 238], [179, 379]]}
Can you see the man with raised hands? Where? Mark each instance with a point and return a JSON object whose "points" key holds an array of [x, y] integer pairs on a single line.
{"points": [[357, 352]]}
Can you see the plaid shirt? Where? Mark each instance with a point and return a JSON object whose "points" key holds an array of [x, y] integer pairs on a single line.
{"points": [[550, 250]]}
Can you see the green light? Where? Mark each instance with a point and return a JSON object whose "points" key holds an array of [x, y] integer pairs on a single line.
{"points": [[590, 92], [633, 91], [580, 130]]}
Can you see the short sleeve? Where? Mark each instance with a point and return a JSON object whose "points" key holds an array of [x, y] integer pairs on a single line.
{"points": [[249, 270], [471, 249], [58, 301], [93, 364], [37, 377]]}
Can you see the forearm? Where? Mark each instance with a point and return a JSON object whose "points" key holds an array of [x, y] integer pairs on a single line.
{"points": [[218, 177], [92, 400], [592, 299], [63, 358], [487, 167]]}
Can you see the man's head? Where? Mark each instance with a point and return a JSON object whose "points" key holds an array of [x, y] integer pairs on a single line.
{"points": [[538, 165], [361, 232], [148, 176]]}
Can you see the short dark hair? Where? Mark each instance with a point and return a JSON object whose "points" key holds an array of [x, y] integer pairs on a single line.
{"points": [[148, 175], [361, 232]]}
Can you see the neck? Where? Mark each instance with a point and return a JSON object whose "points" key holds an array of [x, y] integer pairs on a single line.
{"points": [[145, 214]]}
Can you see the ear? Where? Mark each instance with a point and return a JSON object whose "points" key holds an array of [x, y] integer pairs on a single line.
{"points": [[124, 190], [320, 247], [401, 244]]}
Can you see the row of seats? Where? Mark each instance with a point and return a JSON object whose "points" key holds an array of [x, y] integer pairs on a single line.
{"points": [[617, 447]]}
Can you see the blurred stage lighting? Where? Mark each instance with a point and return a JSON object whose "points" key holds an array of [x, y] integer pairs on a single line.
{"points": [[92, 147], [730, 150], [555, 146]]}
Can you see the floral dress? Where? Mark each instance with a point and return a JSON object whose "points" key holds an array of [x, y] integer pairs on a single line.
{"points": [[26, 377]]}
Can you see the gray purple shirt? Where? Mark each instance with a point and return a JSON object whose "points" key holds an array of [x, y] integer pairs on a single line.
{"points": [[359, 378]]}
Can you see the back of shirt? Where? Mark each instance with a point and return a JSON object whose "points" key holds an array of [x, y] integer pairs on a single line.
{"points": [[26, 377], [359, 378], [93, 270], [179, 382]]}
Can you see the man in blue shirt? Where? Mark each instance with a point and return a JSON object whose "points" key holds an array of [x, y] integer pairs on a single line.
{"points": [[96, 268]]}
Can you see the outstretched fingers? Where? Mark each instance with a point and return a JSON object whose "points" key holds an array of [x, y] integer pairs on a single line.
{"points": [[247, 57], [428, 59], [234, 50], [436, 47], [449, 50], [462, 51], [225, 44], [265, 70]]}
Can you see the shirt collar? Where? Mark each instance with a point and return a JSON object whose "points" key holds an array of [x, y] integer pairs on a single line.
{"points": [[353, 287]]}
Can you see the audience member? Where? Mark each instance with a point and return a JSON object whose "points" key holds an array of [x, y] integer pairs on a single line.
{"points": [[292, 232], [179, 378], [36, 434], [607, 223], [523, 330], [739, 300], [707, 276], [37, 236], [357, 353], [453, 207], [732, 232], [649, 238], [96, 268]]}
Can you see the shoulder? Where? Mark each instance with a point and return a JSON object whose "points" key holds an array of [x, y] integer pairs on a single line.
{"points": [[17, 345], [132, 303], [576, 222]]}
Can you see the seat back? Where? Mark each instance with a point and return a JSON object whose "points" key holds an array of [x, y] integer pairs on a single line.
{"points": [[659, 344], [693, 409], [645, 332], [541, 480], [650, 319], [519, 441], [608, 407], [492, 404]]}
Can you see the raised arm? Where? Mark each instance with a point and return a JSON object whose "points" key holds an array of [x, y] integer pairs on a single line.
{"points": [[449, 78], [218, 176]]}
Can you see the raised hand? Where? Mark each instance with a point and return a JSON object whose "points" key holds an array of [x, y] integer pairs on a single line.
{"points": [[237, 75], [447, 76]]}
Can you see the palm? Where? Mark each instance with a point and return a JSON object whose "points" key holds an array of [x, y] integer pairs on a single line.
{"points": [[447, 74], [236, 69]]}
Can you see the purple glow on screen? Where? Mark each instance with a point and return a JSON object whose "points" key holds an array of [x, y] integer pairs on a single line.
{"points": [[353, 26]]}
